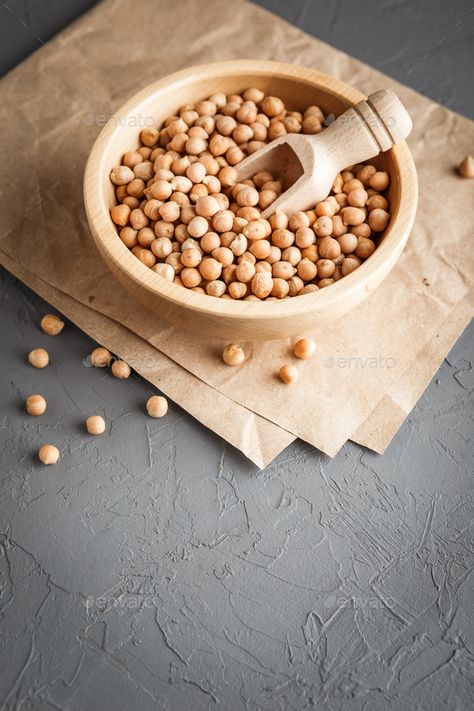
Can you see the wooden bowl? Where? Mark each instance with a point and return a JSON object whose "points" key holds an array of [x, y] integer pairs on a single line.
{"points": [[222, 318]]}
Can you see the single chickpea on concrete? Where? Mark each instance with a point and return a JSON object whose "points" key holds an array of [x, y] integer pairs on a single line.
{"points": [[121, 369], [95, 425], [157, 406], [48, 454], [52, 324], [35, 405], [101, 357], [38, 358]]}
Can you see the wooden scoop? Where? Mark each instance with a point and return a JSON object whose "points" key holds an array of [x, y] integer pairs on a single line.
{"points": [[308, 164]]}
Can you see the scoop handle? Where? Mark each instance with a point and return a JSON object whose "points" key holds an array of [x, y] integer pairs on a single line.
{"points": [[367, 129]]}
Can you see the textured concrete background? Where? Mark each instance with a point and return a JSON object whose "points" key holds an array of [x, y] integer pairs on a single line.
{"points": [[156, 569]]}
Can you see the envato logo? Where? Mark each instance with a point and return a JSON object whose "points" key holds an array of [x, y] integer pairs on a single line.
{"points": [[121, 602], [372, 602], [372, 120], [134, 121], [357, 362]]}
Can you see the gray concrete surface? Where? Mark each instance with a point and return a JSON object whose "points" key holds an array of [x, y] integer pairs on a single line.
{"points": [[156, 569]]}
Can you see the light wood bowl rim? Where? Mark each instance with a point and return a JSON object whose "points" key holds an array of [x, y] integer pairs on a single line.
{"points": [[110, 245]]}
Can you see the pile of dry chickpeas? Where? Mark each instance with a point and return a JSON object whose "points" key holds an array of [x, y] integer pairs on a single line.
{"points": [[182, 212]]}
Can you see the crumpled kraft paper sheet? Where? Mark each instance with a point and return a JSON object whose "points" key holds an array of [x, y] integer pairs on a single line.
{"points": [[364, 355]]}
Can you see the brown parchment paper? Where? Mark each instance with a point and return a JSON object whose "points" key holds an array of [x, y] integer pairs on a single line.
{"points": [[79, 77]]}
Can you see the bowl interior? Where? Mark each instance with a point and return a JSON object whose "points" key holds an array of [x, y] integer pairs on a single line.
{"points": [[296, 93]]}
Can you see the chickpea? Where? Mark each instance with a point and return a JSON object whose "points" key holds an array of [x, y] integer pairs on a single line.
{"points": [[239, 245], [52, 324], [304, 237], [377, 201], [120, 214], [280, 288], [101, 357], [95, 425], [233, 355], [262, 284], [352, 215], [283, 270], [378, 219], [216, 288], [379, 180], [190, 277], [304, 348], [357, 197], [365, 173], [308, 289], [164, 270], [329, 248], [260, 249], [306, 269], [292, 255], [210, 269], [121, 369], [161, 247], [35, 405], [38, 358], [466, 167], [325, 282], [146, 256], [227, 176], [198, 226], [245, 271], [272, 106], [223, 221], [365, 247], [282, 238], [237, 289], [362, 230], [347, 242], [121, 175], [138, 219], [48, 454], [288, 373], [349, 265], [325, 268], [224, 255], [323, 226], [207, 206], [157, 406]]}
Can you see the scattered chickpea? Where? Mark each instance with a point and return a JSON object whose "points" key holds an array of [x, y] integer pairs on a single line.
{"points": [[35, 405], [48, 454], [101, 357], [304, 348], [157, 406], [466, 167], [233, 355], [95, 425], [38, 358], [52, 324], [288, 373], [121, 369]]}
